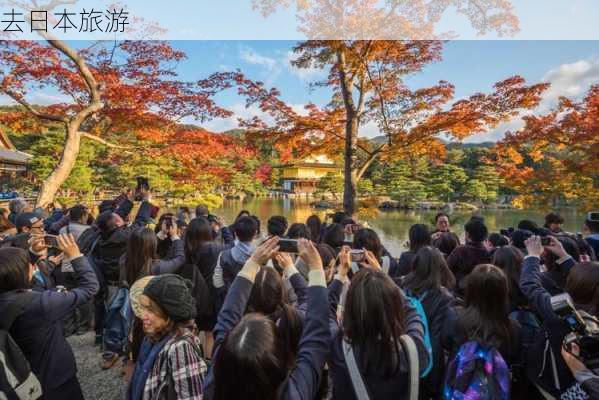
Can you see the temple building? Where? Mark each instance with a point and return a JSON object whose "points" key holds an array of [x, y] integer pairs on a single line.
{"points": [[13, 165], [302, 176]]}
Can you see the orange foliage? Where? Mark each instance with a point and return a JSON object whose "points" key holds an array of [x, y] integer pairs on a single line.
{"points": [[555, 156]]}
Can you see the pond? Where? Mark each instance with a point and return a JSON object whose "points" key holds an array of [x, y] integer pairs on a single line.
{"points": [[392, 226]]}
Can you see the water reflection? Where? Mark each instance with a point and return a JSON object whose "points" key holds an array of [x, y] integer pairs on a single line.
{"points": [[392, 226]]}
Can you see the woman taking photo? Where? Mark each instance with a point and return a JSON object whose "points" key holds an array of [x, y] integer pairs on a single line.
{"points": [[170, 363], [38, 329], [376, 319], [250, 349]]}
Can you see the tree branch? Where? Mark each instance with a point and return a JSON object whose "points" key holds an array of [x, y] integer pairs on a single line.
{"points": [[104, 142], [19, 99]]}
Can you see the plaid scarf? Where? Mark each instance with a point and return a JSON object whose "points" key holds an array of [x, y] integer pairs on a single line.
{"points": [[180, 358]]}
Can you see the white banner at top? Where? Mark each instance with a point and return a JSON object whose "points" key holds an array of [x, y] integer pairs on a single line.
{"points": [[300, 19]]}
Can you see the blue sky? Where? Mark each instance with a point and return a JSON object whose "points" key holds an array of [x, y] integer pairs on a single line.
{"points": [[472, 66]]}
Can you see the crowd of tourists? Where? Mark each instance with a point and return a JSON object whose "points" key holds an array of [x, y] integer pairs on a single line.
{"points": [[191, 307]]}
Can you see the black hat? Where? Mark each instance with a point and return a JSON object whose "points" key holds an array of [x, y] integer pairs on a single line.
{"points": [[27, 219], [173, 294]]}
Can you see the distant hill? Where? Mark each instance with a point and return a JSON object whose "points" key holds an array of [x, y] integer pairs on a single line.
{"points": [[379, 140]]}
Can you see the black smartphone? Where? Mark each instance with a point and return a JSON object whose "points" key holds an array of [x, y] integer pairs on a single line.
{"points": [[288, 246], [593, 216], [357, 256], [546, 241], [143, 184], [168, 222], [51, 241]]}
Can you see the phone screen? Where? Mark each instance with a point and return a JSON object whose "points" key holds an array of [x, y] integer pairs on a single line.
{"points": [[357, 256], [51, 240], [288, 246]]}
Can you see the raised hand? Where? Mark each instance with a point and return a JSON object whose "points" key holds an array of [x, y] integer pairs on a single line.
{"points": [[308, 253]]}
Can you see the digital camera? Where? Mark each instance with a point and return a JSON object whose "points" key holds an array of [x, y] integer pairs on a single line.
{"points": [[584, 327]]}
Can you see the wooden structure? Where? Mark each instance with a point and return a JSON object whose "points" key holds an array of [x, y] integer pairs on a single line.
{"points": [[302, 176], [13, 164]]}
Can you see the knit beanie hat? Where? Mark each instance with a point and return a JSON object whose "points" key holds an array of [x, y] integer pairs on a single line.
{"points": [[173, 294]]}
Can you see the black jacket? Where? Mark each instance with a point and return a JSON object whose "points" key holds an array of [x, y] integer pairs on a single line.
{"points": [[539, 358], [110, 248], [39, 330]]}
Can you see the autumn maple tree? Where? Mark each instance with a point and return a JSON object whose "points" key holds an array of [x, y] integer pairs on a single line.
{"points": [[367, 81], [112, 93], [555, 156]]}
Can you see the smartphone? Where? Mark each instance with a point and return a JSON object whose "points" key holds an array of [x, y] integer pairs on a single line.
{"points": [[353, 228], [288, 246], [593, 216], [357, 256], [143, 184], [51, 241], [168, 222], [546, 241]]}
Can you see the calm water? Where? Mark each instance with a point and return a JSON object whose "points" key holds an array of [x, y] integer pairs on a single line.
{"points": [[392, 226]]}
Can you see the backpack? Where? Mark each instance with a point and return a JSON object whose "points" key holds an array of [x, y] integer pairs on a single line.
{"points": [[530, 330], [416, 302], [117, 322], [477, 373], [357, 381], [17, 382], [199, 291]]}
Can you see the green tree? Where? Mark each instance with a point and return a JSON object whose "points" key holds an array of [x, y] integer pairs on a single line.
{"points": [[331, 184], [489, 176], [475, 190], [365, 187], [445, 181]]}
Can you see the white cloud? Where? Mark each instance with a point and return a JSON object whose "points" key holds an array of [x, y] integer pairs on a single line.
{"points": [[571, 80], [252, 57]]}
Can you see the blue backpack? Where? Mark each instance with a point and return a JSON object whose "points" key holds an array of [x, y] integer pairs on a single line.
{"points": [[477, 373], [117, 322], [416, 302]]}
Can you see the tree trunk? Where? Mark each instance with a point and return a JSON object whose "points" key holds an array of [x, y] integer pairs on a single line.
{"points": [[349, 157], [63, 169]]}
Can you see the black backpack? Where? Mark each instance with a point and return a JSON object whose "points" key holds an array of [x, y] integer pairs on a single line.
{"points": [[17, 382], [199, 291]]}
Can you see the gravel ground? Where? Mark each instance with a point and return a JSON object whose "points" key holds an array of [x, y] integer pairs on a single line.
{"points": [[97, 384]]}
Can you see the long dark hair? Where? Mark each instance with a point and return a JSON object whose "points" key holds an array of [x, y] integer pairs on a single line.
{"points": [[429, 272], [198, 232], [485, 317], [251, 355], [334, 235], [141, 252], [368, 239], [373, 321], [509, 260], [419, 236], [314, 226], [583, 286], [269, 297]]}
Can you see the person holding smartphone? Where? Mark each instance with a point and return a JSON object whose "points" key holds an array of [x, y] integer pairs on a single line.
{"points": [[38, 330]]}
